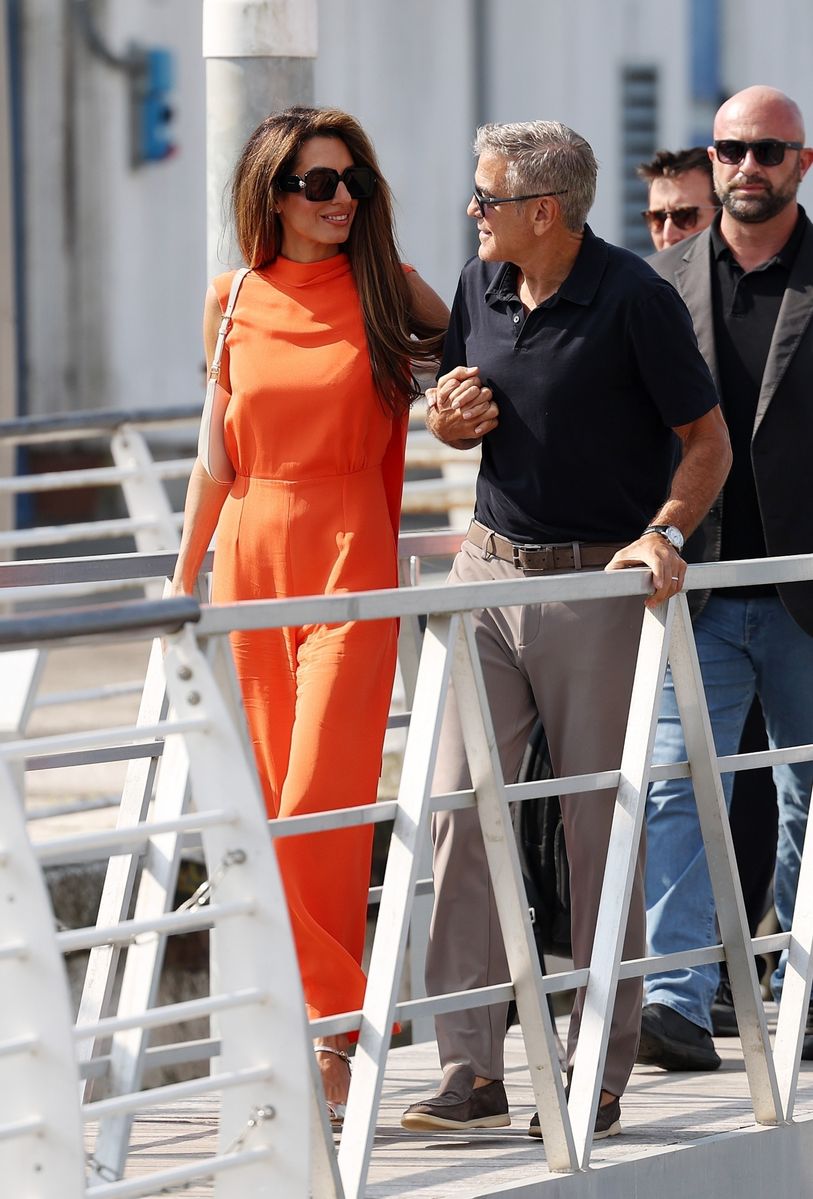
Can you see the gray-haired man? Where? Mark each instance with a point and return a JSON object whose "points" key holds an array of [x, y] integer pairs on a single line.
{"points": [[590, 363]]}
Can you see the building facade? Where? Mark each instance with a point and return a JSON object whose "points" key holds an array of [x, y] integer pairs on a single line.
{"points": [[111, 246]]}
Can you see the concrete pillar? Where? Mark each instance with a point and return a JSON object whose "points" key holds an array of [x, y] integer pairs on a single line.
{"points": [[259, 58]]}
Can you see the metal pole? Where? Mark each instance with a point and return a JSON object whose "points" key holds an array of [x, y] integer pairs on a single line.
{"points": [[8, 285], [259, 58]]}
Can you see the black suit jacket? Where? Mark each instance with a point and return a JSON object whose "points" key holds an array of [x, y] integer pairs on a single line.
{"points": [[782, 441]]}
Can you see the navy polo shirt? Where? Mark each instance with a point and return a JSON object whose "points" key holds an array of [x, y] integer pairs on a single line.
{"points": [[589, 385]]}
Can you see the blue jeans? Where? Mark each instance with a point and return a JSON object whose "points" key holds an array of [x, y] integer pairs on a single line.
{"points": [[745, 646]]}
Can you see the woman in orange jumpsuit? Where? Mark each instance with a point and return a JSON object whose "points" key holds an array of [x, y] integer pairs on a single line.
{"points": [[300, 467]]}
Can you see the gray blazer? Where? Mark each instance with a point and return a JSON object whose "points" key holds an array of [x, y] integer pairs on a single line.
{"points": [[782, 441]]}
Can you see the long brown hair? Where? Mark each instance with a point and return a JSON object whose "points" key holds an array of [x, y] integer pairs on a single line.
{"points": [[396, 336]]}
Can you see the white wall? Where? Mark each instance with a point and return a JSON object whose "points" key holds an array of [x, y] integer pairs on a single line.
{"points": [[405, 71], [114, 256], [154, 350], [566, 65], [772, 44]]}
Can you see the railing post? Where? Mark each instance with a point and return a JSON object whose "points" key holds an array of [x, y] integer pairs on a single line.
{"points": [[535, 1019], [256, 950], [795, 1003], [142, 967], [725, 879], [622, 855], [144, 492], [409, 654], [122, 870], [38, 1081], [21, 671], [387, 957]]}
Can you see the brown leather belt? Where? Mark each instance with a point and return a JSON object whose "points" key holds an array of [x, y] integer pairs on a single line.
{"points": [[565, 555]]}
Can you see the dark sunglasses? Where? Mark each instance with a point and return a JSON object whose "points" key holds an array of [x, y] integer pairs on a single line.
{"points": [[682, 218], [484, 202], [322, 183], [768, 152]]}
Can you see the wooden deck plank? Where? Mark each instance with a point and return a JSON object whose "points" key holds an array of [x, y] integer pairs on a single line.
{"points": [[660, 1110]]}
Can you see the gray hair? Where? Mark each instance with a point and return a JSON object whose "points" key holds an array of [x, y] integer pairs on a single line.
{"points": [[545, 156]]}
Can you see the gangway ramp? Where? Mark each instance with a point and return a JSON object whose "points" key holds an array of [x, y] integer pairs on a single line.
{"points": [[686, 1136]]}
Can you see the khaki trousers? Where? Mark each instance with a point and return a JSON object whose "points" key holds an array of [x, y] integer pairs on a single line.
{"points": [[573, 664]]}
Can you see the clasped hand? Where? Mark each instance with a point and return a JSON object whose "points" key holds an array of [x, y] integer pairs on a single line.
{"points": [[461, 410]]}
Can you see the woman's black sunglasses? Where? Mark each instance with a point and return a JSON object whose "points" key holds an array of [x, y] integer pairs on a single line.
{"points": [[768, 152], [322, 183]]}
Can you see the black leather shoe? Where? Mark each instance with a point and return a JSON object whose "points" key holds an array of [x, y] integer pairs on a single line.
{"points": [[608, 1122], [807, 1044], [672, 1042], [723, 1016], [481, 1107]]}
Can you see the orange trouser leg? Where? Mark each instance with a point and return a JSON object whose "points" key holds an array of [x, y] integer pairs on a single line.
{"points": [[344, 684], [331, 751], [266, 665]]}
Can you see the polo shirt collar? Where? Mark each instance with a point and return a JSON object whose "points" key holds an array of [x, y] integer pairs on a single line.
{"points": [[579, 287], [786, 255]]}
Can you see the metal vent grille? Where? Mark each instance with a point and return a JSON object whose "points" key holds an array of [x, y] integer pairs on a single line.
{"points": [[639, 125]]}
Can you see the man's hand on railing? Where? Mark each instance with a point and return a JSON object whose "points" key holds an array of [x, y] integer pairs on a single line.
{"points": [[667, 566], [460, 410]]}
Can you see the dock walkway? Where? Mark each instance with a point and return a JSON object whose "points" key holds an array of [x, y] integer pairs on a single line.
{"points": [[662, 1112]]}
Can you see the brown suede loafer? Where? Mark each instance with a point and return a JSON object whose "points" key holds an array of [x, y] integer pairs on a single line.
{"points": [[484, 1107]]}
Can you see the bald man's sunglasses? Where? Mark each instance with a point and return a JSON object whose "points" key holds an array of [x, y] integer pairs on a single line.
{"points": [[769, 152], [682, 218], [321, 183]]}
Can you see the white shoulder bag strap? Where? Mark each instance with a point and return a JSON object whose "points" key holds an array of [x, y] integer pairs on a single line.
{"points": [[213, 458]]}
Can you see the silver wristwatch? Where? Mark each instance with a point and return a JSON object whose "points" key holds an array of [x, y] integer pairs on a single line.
{"points": [[671, 532]]}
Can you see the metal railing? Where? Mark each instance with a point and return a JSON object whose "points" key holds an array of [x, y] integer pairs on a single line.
{"points": [[151, 519], [448, 651], [263, 1065]]}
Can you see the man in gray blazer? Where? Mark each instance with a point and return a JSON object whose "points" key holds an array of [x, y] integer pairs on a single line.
{"points": [[748, 284]]}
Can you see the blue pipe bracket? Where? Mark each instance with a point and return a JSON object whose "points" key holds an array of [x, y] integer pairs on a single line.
{"points": [[152, 85]]}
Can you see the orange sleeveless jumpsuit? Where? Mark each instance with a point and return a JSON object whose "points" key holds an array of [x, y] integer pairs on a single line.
{"points": [[314, 509]]}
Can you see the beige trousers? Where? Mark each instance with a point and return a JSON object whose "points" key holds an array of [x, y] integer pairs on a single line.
{"points": [[573, 664]]}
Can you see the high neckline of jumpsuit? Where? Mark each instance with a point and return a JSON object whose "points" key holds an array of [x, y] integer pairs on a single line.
{"points": [[302, 274]]}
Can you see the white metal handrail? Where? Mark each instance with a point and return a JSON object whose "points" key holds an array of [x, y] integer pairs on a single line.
{"points": [[263, 1070], [448, 649], [142, 477], [24, 582], [569, 1143]]}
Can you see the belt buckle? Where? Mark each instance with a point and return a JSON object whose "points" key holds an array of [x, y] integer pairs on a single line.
{"points": [[521, 551]]}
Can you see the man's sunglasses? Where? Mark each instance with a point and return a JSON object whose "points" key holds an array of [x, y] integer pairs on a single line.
{"points": [[322, 183], [484, 202], [682, 218], [768, 152]]}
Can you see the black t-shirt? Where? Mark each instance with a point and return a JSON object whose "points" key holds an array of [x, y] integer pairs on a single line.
{"points": [[746, 307], [589, 385]]}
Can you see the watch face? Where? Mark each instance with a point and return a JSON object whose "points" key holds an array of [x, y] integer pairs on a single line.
{"points": [[675, 536], [672, 534]]}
